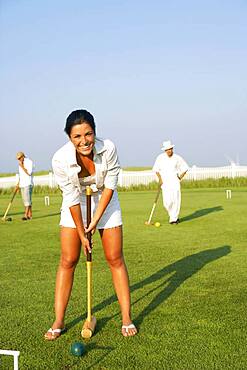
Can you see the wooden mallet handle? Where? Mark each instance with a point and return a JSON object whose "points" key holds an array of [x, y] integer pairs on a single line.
{"points": [[90, 323]]}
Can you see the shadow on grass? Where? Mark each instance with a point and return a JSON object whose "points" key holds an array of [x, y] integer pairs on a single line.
{"points": [[100, 322], [182, 270], [47, 215], [11, 214], [201, 213], [92, 347], [14, 213]]}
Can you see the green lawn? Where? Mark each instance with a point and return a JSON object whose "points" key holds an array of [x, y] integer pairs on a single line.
{"points": [[188, 283]]}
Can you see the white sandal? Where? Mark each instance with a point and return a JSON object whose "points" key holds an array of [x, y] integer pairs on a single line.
{"points": [[55, 333], [127, 327]]}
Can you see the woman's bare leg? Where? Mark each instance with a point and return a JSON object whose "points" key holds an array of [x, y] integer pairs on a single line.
{"points": [[70, 253], [112, 241]]}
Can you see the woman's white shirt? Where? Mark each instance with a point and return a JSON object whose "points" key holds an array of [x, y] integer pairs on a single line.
{"points": [[66, 169]]}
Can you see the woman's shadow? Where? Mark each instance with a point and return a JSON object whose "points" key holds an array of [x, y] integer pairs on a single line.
{"points": [[181, 270], [201, 213]]}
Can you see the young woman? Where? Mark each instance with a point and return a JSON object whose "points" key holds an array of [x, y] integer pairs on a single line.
{"points": [[88, 160]]}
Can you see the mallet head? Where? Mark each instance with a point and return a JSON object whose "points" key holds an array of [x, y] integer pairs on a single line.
{"points": [[6, 219], [88, 328]]}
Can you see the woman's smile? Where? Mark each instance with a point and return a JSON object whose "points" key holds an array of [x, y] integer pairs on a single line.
{"points": [[83, 138]]}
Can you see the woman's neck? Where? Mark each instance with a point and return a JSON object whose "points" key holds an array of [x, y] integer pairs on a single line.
{"points": [[86, 163]]}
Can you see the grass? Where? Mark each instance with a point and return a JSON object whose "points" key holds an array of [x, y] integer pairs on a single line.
{"points": [[36, 173], [146, 168], [188, 287], [7, 174]]}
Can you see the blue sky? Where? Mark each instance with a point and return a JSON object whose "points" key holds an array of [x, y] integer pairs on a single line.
{"points": [[148, 71]]}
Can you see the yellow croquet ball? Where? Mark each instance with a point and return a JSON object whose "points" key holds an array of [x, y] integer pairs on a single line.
{"points": [[157, 224]]}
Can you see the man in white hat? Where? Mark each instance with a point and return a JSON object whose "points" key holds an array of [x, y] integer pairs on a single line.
{"points": [[25, 183], [170, 169]]}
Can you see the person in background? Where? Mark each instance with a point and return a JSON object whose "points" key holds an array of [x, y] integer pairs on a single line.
{"points": [[86, 160], [25, 183], [170, 168]]}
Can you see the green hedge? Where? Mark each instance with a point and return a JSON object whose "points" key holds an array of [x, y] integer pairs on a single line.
{"points": [[223, 182], [215, 183], [36, 190], [190, 184]]}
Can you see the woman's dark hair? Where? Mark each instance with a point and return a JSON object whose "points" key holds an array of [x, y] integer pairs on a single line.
{"points": [[78, 117]]}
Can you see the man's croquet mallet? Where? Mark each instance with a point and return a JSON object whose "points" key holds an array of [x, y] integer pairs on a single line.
{"points": [[90, 323], [10, 203], [153, 208]]}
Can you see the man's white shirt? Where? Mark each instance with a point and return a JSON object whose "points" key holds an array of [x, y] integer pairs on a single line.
{"points": [[169, 169], [24, 179]]}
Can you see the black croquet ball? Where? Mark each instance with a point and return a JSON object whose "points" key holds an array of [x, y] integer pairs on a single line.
{"points": [[77, 349], [9, 219]]}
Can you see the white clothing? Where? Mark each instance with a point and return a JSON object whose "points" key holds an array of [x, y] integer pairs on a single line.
{"points": [[26, 194], [26, 179], [107, 168], [172, 203], [66, 170], [111, 217], [88, 180], [170, 168]]}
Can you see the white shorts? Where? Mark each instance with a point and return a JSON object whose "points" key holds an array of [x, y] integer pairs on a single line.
{"points": [[26, 194], [111, 217]]}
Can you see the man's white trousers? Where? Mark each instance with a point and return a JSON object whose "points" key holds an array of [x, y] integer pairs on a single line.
{"points": [[172, 202]]}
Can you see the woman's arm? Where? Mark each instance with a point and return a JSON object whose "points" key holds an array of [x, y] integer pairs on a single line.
{"points": [[113, 166], [103, 203], [110, 182], [71, 199], [75, 211], [71, 194]]}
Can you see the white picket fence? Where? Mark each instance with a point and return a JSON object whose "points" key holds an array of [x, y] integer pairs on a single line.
{"points": [[128, 178]]}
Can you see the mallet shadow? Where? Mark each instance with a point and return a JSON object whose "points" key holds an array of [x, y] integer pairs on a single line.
{"points": [[201, 213], [182, 270], [11, 214], [14, 213], [48, 215]]}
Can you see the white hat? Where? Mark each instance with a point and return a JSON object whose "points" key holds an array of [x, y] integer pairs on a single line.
{"points": [[167, 145]]}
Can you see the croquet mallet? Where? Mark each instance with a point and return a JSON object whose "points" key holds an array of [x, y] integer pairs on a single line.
{"points": [[153, 208], [90, 323], [10, 203]]}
